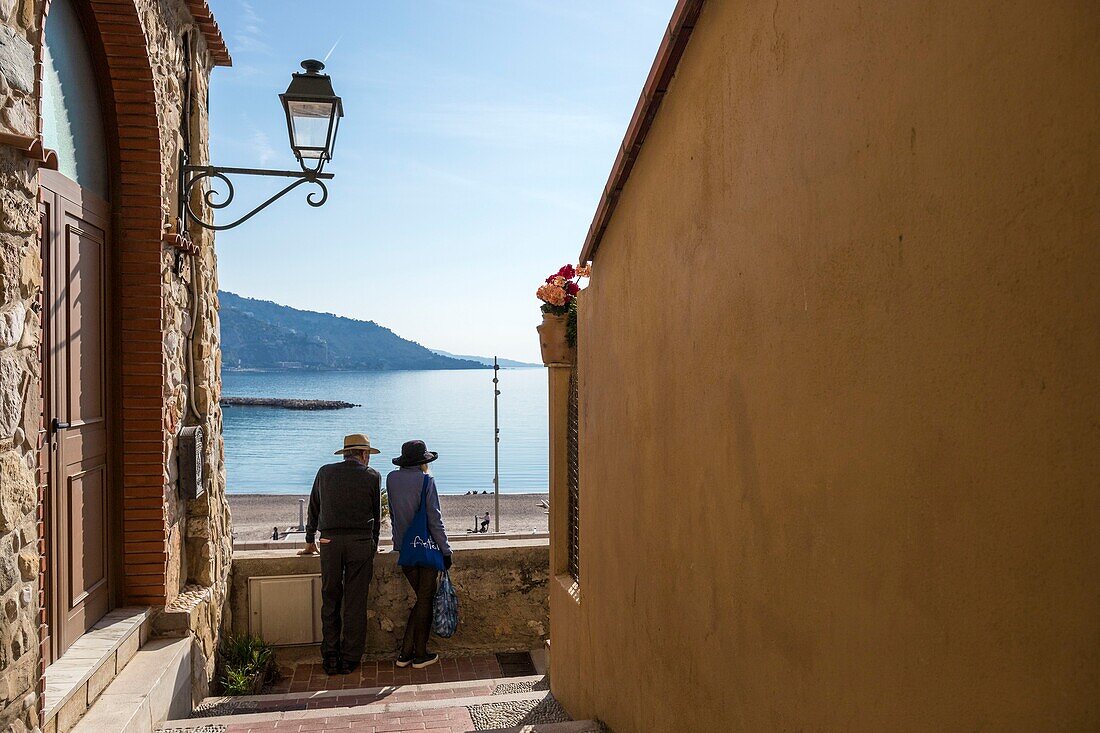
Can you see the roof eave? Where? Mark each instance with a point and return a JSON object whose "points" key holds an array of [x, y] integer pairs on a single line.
{"points": [[204, 18]]}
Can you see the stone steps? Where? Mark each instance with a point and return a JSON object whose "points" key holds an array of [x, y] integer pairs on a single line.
{"points": [[75, 681], [155, 685], [357, 697], [454, 707]]}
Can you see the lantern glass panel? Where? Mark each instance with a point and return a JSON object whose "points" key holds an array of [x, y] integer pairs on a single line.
{"points": [[310, 123]]}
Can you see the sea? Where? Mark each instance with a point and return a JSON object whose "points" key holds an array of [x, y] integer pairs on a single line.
{"points": [[278, 451]]}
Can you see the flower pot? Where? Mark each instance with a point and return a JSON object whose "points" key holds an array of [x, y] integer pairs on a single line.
{"points": [[555, 346]]}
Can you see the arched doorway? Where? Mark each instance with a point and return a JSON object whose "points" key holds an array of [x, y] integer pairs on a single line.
{"points": [[75, 240]]}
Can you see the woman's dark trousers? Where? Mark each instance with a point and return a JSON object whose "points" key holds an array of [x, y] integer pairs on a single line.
{"points": [[347, 565], [419, 626]]}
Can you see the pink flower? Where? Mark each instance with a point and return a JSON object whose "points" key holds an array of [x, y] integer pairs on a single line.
{"points": [[559, 281], [552, 294], [584, 271]]}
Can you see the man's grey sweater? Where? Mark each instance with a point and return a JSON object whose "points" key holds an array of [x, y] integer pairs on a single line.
{"points": [[346, 499]]}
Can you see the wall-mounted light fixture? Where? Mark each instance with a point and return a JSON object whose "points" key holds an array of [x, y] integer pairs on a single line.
{"points": [[313, 113]]}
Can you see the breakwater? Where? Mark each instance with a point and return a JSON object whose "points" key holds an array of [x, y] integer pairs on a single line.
{"points": [[286, 403]]}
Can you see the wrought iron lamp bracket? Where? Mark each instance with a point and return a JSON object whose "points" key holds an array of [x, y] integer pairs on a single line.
{"points": [[193, 176]]}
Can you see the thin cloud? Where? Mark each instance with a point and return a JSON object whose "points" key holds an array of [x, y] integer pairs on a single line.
{"points": [[261, 147], [513, 125], [249, 34]]}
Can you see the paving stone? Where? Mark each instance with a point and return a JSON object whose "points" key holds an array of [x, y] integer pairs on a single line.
{"points": [[518, 712]]}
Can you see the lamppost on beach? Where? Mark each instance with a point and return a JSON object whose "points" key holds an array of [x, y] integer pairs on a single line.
{"points": [[496, 445]]}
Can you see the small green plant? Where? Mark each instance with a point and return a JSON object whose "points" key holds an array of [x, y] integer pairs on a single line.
{"points": [[248, 663]]}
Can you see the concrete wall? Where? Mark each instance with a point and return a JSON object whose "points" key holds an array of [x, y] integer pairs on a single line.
{"points": [[502, 596], [840, 385]]}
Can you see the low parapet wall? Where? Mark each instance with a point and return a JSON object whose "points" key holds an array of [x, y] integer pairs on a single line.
{"points": [[502, 590]]}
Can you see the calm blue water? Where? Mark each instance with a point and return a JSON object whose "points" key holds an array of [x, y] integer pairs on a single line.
{"points": [[274, 451]]}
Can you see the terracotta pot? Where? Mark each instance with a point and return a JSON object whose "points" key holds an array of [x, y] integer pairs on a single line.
{"points": [[555, 346]]}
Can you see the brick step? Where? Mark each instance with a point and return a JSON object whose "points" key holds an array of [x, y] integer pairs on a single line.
{"points": [[467, 712], [307, 675], [343, 698]]}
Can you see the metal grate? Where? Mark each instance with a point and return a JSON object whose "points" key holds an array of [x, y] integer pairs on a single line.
{"points": [[573, 457], [515, 664]]}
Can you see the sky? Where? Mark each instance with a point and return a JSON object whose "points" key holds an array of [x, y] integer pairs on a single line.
{"points": [[477, 137]]}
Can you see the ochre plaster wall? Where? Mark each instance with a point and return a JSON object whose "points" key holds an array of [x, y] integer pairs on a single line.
{"points": [[840, 383]]}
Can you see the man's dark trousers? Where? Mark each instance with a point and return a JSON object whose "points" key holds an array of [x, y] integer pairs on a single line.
{"points": [[347, 565]]}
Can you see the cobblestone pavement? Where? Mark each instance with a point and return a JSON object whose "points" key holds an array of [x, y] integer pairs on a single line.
{"points": [[518, 712], [510, 688]]}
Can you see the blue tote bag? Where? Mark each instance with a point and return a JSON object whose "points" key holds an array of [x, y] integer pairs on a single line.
{"points": [[417, 546], [445, 608]]}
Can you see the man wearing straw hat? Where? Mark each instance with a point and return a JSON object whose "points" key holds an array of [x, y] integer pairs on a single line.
{"points": [[345, 506]]}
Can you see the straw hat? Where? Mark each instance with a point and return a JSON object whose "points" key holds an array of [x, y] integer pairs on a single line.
{"points": [[357, 441]]}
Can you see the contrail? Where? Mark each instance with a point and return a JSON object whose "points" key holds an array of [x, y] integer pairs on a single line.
{"points": [[325, 59]]}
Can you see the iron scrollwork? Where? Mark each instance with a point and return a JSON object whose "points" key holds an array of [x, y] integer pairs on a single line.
{"points": [[213, 197]]}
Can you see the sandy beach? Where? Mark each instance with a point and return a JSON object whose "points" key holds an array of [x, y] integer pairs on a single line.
{"points": [[254, 515]]}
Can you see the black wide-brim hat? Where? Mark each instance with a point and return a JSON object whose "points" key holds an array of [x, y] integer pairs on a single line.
{"points": [[414, 453]]}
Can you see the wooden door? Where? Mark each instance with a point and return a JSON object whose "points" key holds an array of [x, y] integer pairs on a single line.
{"points": [[75, 241]]}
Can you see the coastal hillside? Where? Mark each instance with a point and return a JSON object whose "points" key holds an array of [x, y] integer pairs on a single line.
{"points": [[488, 360], [259, 334]]}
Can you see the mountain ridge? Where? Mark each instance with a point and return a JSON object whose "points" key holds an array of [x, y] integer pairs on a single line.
{"points": [[488, 360], [264, 335]]}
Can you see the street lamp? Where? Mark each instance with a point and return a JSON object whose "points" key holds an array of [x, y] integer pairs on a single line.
{"points": [[313, 113]]}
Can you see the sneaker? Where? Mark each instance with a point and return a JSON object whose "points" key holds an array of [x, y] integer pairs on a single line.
{"points": [[403, 661], [426, 661]]}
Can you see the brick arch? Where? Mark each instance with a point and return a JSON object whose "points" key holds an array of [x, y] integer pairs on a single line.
{"points": [[128, 96], [137, 298]]}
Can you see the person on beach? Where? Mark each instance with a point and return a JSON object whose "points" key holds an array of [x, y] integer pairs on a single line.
{"points": [[405, 486], [485, 522], [345, 505]]}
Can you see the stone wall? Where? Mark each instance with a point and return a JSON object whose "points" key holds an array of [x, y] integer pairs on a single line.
{"points": [[502, 594], [198, 531], [20, 374]]}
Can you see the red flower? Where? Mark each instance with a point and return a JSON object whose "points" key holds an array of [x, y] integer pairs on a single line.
{"points": [[572, 288], [567, 272]]}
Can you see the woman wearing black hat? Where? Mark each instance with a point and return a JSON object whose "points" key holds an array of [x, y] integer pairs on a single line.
{"points": [[404, 487]]}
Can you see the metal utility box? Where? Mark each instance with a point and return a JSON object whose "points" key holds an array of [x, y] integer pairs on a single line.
{"points": [[190, 456], [285, 609]]}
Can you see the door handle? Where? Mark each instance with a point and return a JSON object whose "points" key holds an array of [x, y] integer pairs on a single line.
{"points": [[56, 425]]}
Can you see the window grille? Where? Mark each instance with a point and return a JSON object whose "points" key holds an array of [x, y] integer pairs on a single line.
{"points": [[573, 457]]}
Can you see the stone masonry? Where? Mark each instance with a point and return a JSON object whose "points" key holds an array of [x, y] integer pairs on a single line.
{"points": [[20, 377], [198, 531], [200, 540], [502, 592]]}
